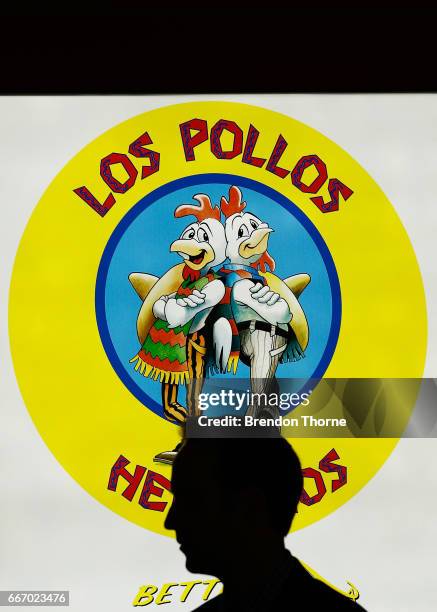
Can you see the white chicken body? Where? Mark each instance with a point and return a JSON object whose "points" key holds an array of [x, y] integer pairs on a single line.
{"points": [[261, 315], [202, 245], [247, 237]]}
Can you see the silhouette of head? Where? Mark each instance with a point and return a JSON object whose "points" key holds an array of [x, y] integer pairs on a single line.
{"points": [[230, 493]]}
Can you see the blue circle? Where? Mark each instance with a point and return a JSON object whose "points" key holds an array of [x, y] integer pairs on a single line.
{"points": [[111, 297]]}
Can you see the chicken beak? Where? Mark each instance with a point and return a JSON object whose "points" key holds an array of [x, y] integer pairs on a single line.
{"points": [[195, 254], [256, 244]]}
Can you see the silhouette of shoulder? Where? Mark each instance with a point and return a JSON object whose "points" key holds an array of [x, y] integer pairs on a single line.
{"points": [[298, 591]]}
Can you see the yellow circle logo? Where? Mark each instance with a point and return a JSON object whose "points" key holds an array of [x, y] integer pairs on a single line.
{"points": [[162, 215]]}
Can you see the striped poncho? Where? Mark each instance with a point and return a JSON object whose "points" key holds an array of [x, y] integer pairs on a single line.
{"points": [[163, 355]]}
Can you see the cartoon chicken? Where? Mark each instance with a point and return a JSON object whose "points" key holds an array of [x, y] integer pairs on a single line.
{"points": [[259, 319], [175, 307]]}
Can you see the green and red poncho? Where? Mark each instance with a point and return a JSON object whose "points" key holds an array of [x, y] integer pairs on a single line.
{"points": [[163, 355]]}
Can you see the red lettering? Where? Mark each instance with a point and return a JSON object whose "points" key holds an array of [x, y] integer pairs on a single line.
{"points": [[326, 465], [119, 469], [280, 146], [335, 187], [321, 489], [216, 145], [138, 149], [85, 194], [189, 141], [251, 141], [106, 173], [149, 489], [301, 166]]}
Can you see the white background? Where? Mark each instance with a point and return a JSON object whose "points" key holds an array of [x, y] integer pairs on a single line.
{"points": [[53, 535]]}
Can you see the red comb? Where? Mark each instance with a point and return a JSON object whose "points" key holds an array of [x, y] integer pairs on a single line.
{"points": [[205, 211], [234, 204]]}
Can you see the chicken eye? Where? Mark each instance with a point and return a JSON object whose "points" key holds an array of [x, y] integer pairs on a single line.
{"points": [[189, 234], [203, 236], [243, 231], [253, 223]]}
